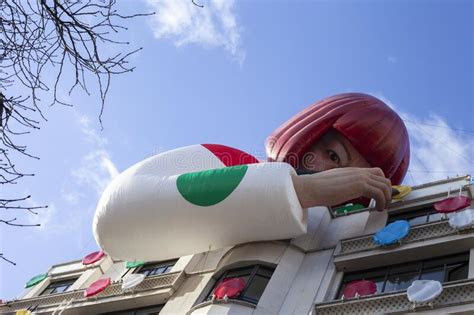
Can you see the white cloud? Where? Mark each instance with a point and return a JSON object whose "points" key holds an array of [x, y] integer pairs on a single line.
{"points": [[96, 171], [44, 218], [97, 168], [50, 220], [438, 150], [90, 133], [214, 25], [71, 197]]}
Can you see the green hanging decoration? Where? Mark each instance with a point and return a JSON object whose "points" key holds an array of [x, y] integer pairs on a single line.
{"points": [[36, 279], [134, 264], [348, 208]]}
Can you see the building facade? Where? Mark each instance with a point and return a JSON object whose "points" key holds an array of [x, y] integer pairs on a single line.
{"points": [[306, 275]]}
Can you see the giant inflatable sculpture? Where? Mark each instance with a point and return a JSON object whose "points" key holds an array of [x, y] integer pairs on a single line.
{"points": [[203, 197]]}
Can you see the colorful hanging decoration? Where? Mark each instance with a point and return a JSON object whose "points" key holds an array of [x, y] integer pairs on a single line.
{"points": [[134, 264], [36, 279], [97, 287], [424, 291], [401, 191], [93, 258], [452, 204], [462, 219], [392, 233], [359, 288], [348, 208], [131, 280], [230, 287]]}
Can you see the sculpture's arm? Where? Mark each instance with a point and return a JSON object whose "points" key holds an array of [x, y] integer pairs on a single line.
{"points": [[148, 214]]}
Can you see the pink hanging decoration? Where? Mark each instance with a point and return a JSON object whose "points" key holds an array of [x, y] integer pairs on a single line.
{"points": [[452, 204], [93, 257], [97, 287], [229, 287], [359, 288]]}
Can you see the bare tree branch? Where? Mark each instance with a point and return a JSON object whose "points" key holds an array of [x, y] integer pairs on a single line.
{"points": [[46, 47]]}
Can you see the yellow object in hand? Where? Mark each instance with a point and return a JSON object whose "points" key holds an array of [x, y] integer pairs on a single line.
{"points": [[402, 191]]}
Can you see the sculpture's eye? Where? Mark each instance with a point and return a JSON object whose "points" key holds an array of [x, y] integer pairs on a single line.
{"points": [[334, 157]]}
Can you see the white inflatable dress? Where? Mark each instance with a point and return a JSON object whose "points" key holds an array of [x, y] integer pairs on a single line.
{"points": [[196, 199]]}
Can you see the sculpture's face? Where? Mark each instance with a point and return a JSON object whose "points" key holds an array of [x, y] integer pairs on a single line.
{"points": [[332, 150]]}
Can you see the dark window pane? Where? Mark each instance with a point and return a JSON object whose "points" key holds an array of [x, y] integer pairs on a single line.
{"points": [[379, 283], [435, 217], [418, 220], [238, 272], [450, 260], [58, 286], [458, 273], [433, 274], [400, 282], [255, 282], [265, 272], [256, 288], [405, 268], [156, 268], [61, 289], [379, 272], [159, 271]]}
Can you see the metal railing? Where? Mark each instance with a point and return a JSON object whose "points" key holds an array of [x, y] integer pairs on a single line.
{"points": [[51, 300], [454, 293], [417, 233]]}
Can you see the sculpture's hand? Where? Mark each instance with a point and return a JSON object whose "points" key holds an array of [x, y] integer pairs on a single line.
{"points": [[335, 186]]}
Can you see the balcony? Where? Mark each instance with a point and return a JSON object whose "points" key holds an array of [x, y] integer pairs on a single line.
{"points": [[455, 294], [166, 283], [422, 241]]}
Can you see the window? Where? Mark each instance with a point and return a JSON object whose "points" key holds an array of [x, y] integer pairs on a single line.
{"points": [[149, 310], [256, 279], [58, 286], [400, 277], [418, 217], [156, 268]]}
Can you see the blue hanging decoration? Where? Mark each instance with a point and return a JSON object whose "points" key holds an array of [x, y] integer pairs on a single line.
{"points": [[392, 233]]}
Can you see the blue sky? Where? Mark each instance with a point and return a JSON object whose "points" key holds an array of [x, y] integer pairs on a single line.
{"points": [[230, 73]]}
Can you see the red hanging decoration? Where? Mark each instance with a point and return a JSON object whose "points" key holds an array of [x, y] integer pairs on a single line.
{"points": [[452, 204], [230, 287], [93, 257], [97, 287], [359, 288]]}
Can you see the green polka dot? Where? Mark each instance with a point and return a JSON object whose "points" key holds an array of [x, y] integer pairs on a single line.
{"points": [[207, 188]]}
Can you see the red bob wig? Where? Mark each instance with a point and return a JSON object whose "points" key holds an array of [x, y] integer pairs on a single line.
{"points": [[372, 127]]}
